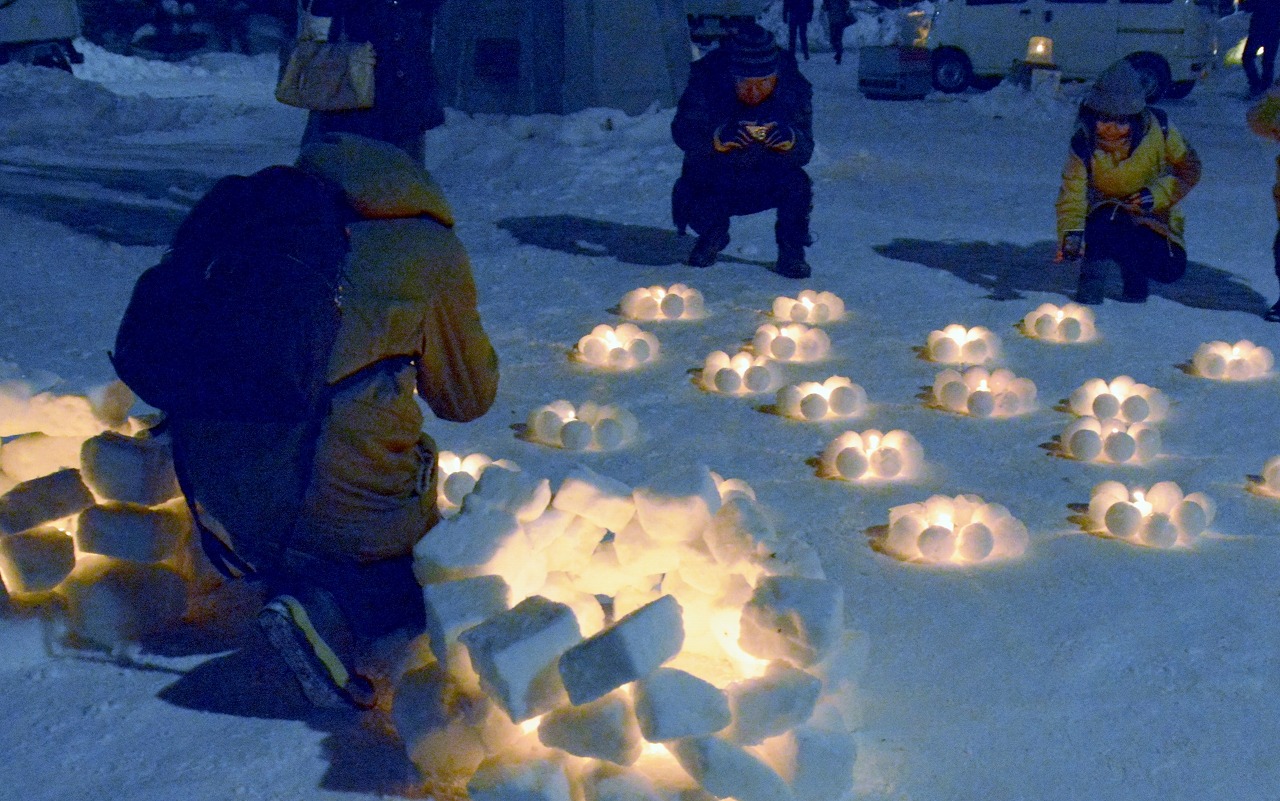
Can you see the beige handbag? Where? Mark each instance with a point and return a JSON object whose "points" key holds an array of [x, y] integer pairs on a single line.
{"points": [[327, 76]]}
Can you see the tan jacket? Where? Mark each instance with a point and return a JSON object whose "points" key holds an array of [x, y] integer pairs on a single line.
{"points": [[1263, 118]]}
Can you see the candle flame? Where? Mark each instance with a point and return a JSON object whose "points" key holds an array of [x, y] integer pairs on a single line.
{"points": [[873, 442], [945, 521], [1141, 502], [982, 386]]}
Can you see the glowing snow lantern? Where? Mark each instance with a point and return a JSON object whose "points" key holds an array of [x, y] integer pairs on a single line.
{"points": [[1269, 483], [1040, 51], [809, 307], [956, 344], [873, 456], [742, 374], [791, 343], [954, 531], [621, 348], [1122, 398], [676, 302], [1159, 517], [833, 399], [458, 476], [982, 393], [590, 427], [1113, 441], [1069, 323], [1222, 361]]}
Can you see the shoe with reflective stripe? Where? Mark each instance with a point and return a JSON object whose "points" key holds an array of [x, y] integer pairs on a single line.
{"points": [[324, 678]]}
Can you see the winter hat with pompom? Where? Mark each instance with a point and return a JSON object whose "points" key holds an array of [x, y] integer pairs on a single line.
{"points": [[1118, 92], [752, 52]]}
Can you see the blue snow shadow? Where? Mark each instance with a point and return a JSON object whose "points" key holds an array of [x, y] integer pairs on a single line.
{"points": [[1007, 271], [630, 244]]}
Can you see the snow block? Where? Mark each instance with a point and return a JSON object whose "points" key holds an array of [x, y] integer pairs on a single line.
{"points": [[111, 402], [741, 532], [791, 557], [607, 574], [112, 603], [35, 560], [130, 469], [672, 704], [642, 553], [771, 704], [630, 649], [439, 723], [33, 455], [43, 500], [454, 606], [603, 729], [462, 546], [727, 770], [817, 762], [586, 607], [602, 500], [502, 780], [130, 531], [515, 654], [607, 782], [548, 527], [512, 491], [571, 551], [793, 618], [677, 505]]}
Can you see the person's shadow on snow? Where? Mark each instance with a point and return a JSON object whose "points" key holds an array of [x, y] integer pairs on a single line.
{"points": [[629, 244], [1007, 271]]}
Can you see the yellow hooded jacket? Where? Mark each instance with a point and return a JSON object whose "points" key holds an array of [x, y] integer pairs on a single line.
{"points": [[1263, 118]]}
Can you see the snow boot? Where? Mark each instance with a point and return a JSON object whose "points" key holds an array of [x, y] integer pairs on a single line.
{"points": [[1136, 286], [325, 679], [707, 248], [1093, 281], [791, 263], [1273, 314]]}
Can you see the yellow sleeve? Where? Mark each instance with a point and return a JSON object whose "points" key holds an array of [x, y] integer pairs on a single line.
{"points": [[1073, 197], [1182, 175]]}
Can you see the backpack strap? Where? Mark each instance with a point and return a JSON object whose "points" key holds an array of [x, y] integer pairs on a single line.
{"points": [[1162, 119]]}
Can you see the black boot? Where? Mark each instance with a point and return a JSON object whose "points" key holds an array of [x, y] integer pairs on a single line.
{"points": [[1273, 314], [1136, 286], [1093, 282], [707, 248], [791, 263]]}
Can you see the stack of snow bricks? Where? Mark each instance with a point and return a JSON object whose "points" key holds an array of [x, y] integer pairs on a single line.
{"points": [[597, 617]]}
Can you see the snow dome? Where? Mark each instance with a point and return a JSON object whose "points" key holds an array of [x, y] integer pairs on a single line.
{"points": [[623, 348], [956, 344], [982, 393], [675, 302], [873, 456], [954, 531], [834, 399], [1158, 517]]}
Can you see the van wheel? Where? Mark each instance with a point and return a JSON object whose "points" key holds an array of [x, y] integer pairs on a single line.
{"points": [[952, 71], [1179, 89], [1154, 72]]}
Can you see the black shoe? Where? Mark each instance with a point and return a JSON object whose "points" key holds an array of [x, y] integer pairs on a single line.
{"points": [[325, 680], [791, 263], [1273, 314], [706, 249], [1093, 280]]}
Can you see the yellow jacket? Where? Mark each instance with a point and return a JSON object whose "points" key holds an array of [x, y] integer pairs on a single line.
{"points": [[1161, 162], [1263, 118]]}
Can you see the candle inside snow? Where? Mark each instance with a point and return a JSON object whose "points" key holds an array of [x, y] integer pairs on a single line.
{"points": [[954, 531], [675, 302], [457, 476], [809, 307], [1223, 361], [621, 348], [956, 344], [794, 342], [589, 427], [1158, 517], [834, 399], [1114, 441], [1068, 323], [744, 373], [979, 392], [873, 456], [1122, 398]]}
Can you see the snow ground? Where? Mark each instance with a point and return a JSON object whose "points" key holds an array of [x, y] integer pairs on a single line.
{"points": [[1087, 668]]}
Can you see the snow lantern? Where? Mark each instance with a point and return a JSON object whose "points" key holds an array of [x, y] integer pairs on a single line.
{"points": [[1111, 440], [956, 344], [1222, 361], [1069, 323], [1158, 517], [457, 477], [795, 342], [589, 427], [1121, 398], [623, 348], [676, 302], [1269, 484], [954, 531], [873, 456], [810, 307], [744, 373], [981, 393], [1040, 51], [836, 398]]}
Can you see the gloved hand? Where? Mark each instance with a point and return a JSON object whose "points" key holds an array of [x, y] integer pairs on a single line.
{"points": [[732, 136], [780, 139], [1072, 246], [316, 28], [1141, 202]]}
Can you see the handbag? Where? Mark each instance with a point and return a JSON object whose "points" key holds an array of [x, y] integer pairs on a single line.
{"points": [[327, 76]]}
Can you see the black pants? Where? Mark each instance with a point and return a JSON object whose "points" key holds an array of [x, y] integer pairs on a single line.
{"points": [[706, 200], [1143, 254], [1275, 253], [1268, 40], [801, 29], [837, 39], [374, 599]]}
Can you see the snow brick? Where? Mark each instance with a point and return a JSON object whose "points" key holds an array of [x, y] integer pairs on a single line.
{"points": [[130, 531], [603, 729], [793, 618], [35, 560], [600, 499], [43, 500], [607, 782], [677, 505], [454, 606], [672, 704], [571, 551], [771, 704], [630, 649], [130, 469], [439, 723], [817, 762], [502, 780], [113, 603], [462, 546], [33, 455], [512, 491], [726, 770], [740, 532]]}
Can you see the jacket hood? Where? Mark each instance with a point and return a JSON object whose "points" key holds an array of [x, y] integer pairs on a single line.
{"points": [[380, 181], [1118, 92]]}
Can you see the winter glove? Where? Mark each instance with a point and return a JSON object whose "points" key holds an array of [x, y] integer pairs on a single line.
{"points": [[1141, 202], [315, 28], [780, 139], [732, 136], [1072, 247]]}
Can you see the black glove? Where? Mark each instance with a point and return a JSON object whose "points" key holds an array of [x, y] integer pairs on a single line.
{"points": [[780, 139], [1072, 246], [733, 135]]}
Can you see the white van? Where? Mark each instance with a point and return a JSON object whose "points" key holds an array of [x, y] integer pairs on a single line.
{"points": [[1170, 42]]}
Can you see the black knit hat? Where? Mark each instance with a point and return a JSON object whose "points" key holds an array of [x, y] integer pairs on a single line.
{"points": [[752, 52]]}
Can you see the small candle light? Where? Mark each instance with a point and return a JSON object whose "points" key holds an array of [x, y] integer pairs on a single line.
{"points": [[1269, 484], [873, 456], [954, 531], [621, 348], [982, 393], [457, 476], [835, 398], [956, 344], [1159, 517], [676, 302], [809, 307], [1069, 323], [795, 342], [1122, 398], [1040, 50], [742, 374], [589, 427], [1114, 441], [1222, 361]]}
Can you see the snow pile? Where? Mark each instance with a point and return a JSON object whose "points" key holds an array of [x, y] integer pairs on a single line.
{"points": [[953, 531], [979, 392], [1158, 517], [873, 456], [833, 399]]}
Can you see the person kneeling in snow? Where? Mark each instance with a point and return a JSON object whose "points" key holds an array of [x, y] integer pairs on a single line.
{"points": [[1126, 171], [745, 124], [1263, 119]]}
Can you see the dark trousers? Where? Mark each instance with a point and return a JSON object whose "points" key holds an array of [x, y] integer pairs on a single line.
{"points": [[706, 201], [1110, 232], [374, 598], [1267, 39], [1275, 253], [800, 29], [837, 40]]}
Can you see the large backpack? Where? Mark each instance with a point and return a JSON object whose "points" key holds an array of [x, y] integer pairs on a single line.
{"points": [[237, 321]]}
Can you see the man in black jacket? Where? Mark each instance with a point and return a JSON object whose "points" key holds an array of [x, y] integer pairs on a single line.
{"points": [[1264, 35], [745, 124]]}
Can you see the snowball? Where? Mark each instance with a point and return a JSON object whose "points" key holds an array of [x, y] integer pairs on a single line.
{"points": [[975, 350], [852, 463], [846, 400], [887, 462], [1191, 518], [1044, 326], [782, 348], [1120, 447], [576, 435], [640, 350], [1085, 444], [975, 542], [1159, 531], [1106, 406], [1135, 409], [954, 395], [1123, 519], [945, 349], [672, 306], [981, 404], [758, 378], [814, 407], [457, 486], [609, 434], [1070, 330], [728, 381], [937, 543]]}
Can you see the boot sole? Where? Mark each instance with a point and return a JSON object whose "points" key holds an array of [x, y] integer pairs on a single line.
{"points": [[317, 668]]}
